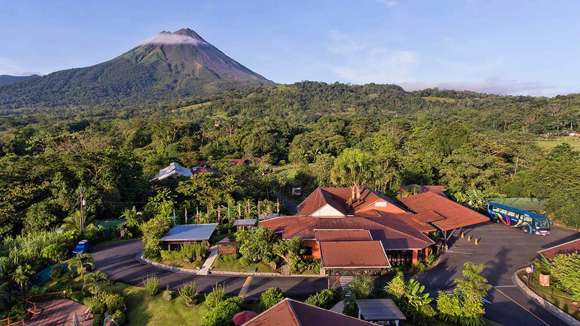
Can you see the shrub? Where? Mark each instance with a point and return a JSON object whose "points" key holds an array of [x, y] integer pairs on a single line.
{"points": [[270, 297], [362, 286], [565, 268], [216, 296], [151, 284], [167, 295], [193, 251], [222, 313], [396, 287], [323, 299], [112, 301], [256, 244], [94, 305], [350, 308], [152, 231], [188, 292], [118, 316]]}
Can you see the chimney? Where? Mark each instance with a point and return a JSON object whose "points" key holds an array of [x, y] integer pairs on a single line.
{"points": [[357, 192]]}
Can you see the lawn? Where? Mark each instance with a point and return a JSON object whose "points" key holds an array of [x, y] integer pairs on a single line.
{"points": [[145, 310], [550, 143], [233, 264]]}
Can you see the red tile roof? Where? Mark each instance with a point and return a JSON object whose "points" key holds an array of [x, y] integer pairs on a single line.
{"points": [[392, 230], [427, 203], [438, 189], [570, 246], [290, 312], [342, 235], [353, 254], [319, 198]]}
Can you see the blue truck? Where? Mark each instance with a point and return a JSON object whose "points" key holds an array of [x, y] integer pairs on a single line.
{"points": [[530, 222]]}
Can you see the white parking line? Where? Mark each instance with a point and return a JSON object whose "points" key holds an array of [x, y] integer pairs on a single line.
{"points": [[514, 301]]}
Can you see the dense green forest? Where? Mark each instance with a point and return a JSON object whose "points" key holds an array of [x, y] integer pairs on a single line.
{"points": [[480, 146]]}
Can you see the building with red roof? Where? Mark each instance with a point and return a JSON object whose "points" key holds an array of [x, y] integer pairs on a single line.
{"points": [[290, 312], [563, 248], [363, 226]]}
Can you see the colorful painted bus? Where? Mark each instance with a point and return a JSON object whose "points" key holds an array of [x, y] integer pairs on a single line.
{"points": [[530, 222]]}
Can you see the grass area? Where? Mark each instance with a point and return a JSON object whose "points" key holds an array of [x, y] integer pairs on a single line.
{"points": [[550, 143], [145, 310], [233, 264]]}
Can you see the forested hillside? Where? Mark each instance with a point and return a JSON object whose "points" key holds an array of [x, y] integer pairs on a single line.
{"points": [[305, 134]]}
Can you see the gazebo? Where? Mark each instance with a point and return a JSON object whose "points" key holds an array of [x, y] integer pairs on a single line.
{"points": [[379, 311], [188, 233]]}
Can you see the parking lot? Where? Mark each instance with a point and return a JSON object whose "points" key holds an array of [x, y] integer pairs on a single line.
{"points": [[503, 250]]}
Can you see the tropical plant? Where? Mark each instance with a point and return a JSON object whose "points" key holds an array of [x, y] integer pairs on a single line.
{"points": [[270, 297], [396, 287], [167, 294], [152, 231], [415, 294], [151, 284], [95, 282], [565, 269], [464, 306], [256, 244], [22, 275], [216, 296], [222, 313], [324, 299], [188, 292], [362, 286]]}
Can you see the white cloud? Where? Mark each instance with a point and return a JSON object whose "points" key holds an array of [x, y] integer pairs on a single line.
{"points": [[362, 62], [490, 85], [10, 67], [172, 38]]}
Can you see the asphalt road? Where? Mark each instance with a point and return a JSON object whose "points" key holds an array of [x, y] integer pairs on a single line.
{"points": [[119, 261], [503, 250]]}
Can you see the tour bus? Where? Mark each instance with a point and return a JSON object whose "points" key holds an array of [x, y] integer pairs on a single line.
{"points": [[530, 222]]}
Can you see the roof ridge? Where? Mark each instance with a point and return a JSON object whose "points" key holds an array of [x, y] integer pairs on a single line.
{"points": [[293, 312], [558, 245], [326, 310], [398, 231]]}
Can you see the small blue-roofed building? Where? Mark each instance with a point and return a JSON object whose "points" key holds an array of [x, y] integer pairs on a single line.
{"points": [[188, 233]]}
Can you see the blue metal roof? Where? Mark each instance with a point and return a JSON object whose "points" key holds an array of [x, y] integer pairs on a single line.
{"points": [[190, 232]]}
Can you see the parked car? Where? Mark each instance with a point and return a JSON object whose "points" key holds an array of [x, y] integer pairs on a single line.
{"points": [[81, 247]]}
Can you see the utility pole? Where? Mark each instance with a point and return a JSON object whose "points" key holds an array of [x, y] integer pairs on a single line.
{"points": [[82, 203]]}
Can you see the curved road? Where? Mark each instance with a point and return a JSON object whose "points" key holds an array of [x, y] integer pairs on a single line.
{"points": [[502, 249], [119, 261]]}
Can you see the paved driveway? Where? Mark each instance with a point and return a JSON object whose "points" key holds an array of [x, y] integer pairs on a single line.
{"points": [[119, 261], [503, 250]]}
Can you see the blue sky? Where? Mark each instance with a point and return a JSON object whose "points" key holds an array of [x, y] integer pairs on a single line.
{"points": [[513, 47]]}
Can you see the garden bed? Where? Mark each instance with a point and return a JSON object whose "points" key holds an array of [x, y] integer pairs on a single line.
{"points": [[143, 309], [551, 294], [233, 264]]}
